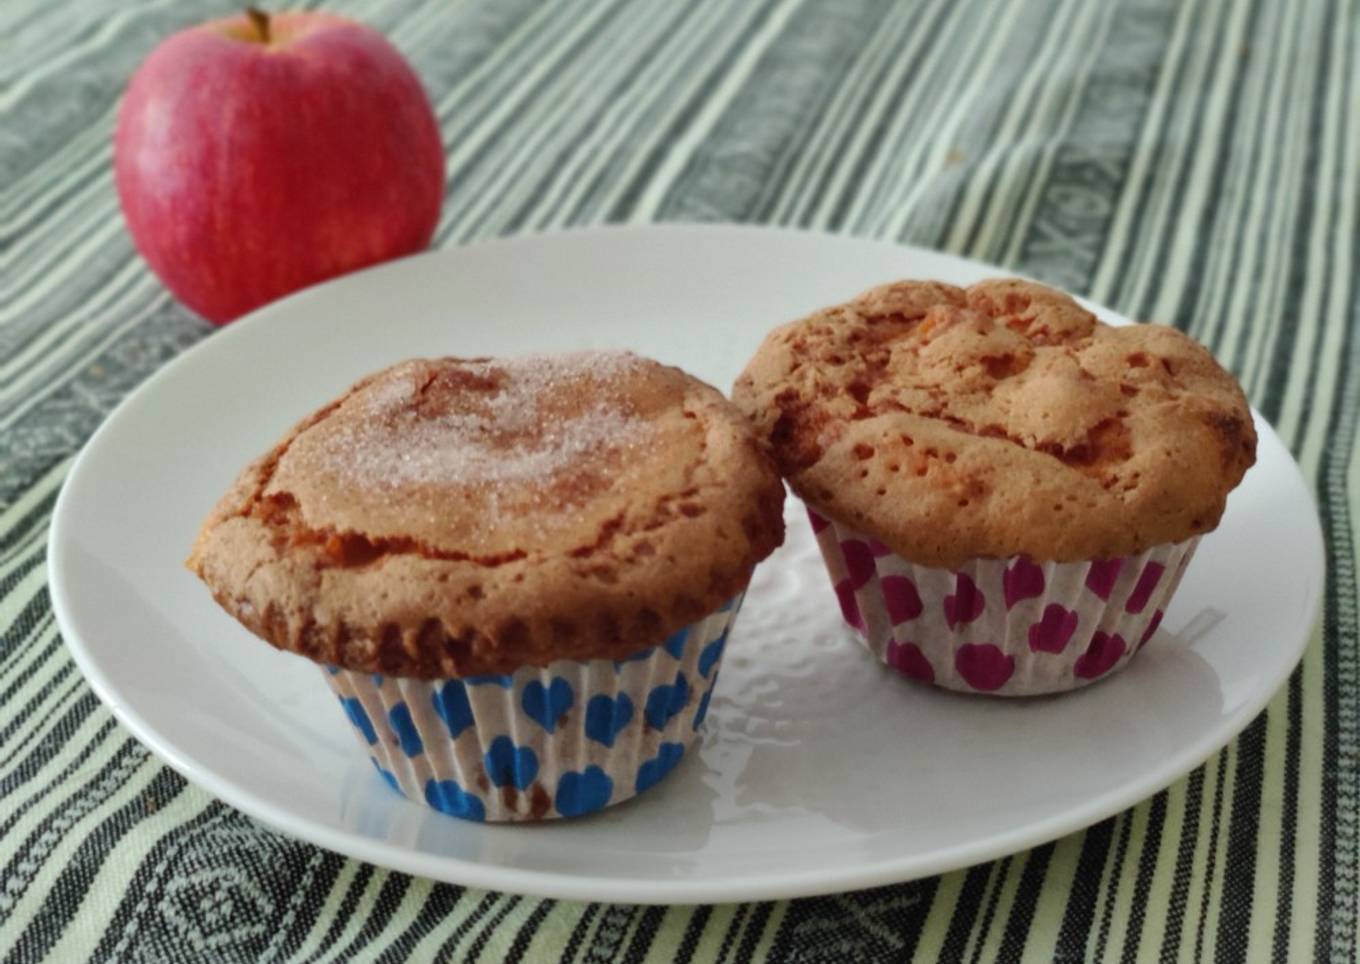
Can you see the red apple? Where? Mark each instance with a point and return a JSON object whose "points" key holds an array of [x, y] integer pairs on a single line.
{"points": [[256, 155]]}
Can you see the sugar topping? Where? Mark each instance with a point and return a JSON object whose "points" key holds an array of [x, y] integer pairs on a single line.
{"points": [[484, 422]]}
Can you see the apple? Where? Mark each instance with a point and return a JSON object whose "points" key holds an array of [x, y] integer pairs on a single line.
{"points": [[258, 154]]}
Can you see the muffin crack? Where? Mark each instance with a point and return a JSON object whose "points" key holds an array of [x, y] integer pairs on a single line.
{"points": [[347, 549], [1107, 441], [270, 464], [354, 549]]}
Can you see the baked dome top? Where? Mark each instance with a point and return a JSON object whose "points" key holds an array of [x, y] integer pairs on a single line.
{"points": [[450, 517], [998, 420]]}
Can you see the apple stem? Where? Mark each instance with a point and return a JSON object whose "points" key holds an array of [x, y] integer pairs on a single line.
{"points": [[260, 20]]}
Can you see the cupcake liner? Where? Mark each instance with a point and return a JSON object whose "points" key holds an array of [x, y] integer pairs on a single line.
{"points": [[1004, 627], [542, 742]]}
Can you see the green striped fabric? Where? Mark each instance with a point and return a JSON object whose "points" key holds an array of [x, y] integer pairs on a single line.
{"points": [[1190, 162]]}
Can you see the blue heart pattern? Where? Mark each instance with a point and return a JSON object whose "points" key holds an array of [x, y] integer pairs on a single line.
{"points": [[665, 701], [448, 797], [676, 644], [711, 654], [702, 712], [583, 792], [651, 772], [451, 703], [546, 705], [606, 716], [359, 717], [509, 765], [405, 728], [387, 776], [635, 658], [548, 702]]}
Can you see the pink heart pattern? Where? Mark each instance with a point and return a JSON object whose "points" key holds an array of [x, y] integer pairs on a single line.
{"points": [[1022, 580], [1054, 630], [1151, 629], [859, 561], [969, 631], [965, 604], [819, 522], [900, 597], [1100, 656], [1147, 582], [845, 595], [1102, 575], [984, 666], [908, 660]]}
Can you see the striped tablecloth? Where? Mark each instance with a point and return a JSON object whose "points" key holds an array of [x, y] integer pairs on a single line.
{"points": [[1190, 162]]}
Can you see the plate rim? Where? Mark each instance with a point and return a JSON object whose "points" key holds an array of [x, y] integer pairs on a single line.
{"points": [[679, 891]]}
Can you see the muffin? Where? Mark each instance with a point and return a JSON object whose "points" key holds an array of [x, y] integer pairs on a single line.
{"points": [[1005, 490], [518, 575]]}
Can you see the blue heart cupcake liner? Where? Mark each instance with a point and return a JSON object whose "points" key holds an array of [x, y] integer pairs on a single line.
{"points": [[541, 743], [1000, 627]]}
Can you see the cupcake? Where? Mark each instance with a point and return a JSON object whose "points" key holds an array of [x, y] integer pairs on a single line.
{"points": [[516, 575], [1005, 490]]}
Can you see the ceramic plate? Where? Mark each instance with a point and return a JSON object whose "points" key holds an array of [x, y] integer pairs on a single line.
{"points": [[818, 770]]}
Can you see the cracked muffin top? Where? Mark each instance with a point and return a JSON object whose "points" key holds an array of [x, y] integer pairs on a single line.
{"points": [[452, 517], [996, 420]]}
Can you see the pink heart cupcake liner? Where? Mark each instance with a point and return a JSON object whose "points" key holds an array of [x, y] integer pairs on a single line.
{"points": [[1002, 627]]}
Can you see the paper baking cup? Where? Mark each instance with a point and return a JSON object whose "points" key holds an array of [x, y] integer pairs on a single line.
{"points": [[539, 743], [1004, 627]]}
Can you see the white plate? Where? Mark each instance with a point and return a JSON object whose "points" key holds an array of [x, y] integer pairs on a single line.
{"points": [[819, 770]]}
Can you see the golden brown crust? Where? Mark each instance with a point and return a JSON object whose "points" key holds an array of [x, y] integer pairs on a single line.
{"points": [[996, 420], [454, 517]]}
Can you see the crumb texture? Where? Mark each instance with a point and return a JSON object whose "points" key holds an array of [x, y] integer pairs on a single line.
{"points": [[996, 420], [450, 517]]}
